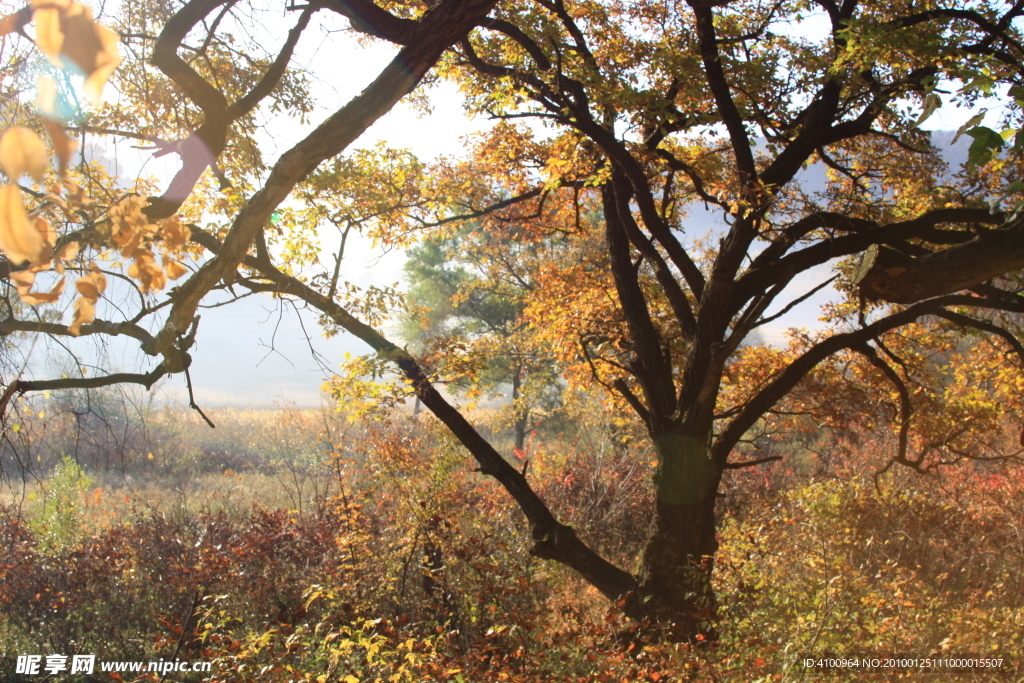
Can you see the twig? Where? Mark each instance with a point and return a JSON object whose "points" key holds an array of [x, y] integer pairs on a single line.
{"points": [[192, 401]]}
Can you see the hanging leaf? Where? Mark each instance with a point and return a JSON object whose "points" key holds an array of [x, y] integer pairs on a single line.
{"points": [[49, 36], [19, 238], [106, 63], [986, 143], [173, 268], [92, 285], [63, 145], [36, 298], [150, 276], [66, 30], [975, 120], [23, 280], [85, 312], [67, 251], [175, 233], [931, 103], [46, 96], [21, 151]]}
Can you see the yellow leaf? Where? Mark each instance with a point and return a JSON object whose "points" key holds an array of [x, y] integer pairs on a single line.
{"points": [[175, 234], [49, 36], [63, 145], [21, 151], [46, 95], [36, 298], [84, 313], [19, 238], [173, 268]]}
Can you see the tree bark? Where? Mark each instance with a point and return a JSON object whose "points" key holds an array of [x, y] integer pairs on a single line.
{"points": [[522, 415], [889, 275], [675, 581]]}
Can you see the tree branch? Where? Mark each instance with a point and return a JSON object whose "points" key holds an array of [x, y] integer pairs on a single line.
{"points": [[888, 275]]}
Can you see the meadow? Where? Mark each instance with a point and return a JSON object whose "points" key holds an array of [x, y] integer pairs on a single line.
{"points": [[296, 545]]}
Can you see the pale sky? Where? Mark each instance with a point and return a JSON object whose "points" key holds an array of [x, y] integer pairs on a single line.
{"points": [[255, 351]]}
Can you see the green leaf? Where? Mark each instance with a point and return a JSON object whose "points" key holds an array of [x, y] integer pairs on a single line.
{"points": [[1017, 93], [975, 120], [931, 103], [986, 143]]}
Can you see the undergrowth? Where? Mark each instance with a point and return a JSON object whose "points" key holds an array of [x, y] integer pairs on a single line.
{"points": [[397, 562]]}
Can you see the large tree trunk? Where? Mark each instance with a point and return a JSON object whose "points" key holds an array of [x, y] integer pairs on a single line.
{"points": [[679, 556]]}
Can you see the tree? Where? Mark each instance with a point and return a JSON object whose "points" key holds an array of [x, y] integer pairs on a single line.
{"points": [[640, 111], [468, 289]]}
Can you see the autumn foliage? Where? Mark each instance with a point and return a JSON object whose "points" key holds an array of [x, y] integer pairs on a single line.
{"points": [[393, 577], [641, 209]]}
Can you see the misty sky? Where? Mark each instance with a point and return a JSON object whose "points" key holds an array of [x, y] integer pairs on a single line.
{"points": [[256, 352]]}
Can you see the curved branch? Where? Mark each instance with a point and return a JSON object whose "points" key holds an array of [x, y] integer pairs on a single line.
{"points": [[19, 386], [273, 75], [774, 264], [165, 56], [985, 326], [200, 150], [442, 26], [524, 41], [906, 407], [95, 327], [366, 17], [552, 540], [888, 275], [798, 369]]}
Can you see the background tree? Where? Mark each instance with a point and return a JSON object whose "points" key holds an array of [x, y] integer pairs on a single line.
{"points": [[642, 109], [470, 289]]}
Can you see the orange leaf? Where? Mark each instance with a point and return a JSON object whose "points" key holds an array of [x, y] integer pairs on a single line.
{"points": [[91, 286], [23, 280], [175, 234], [84, 313], [173, 268], [22, 151], [49, 36], [36, 298], [63, 145], [19, 238], [67, 251]]}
